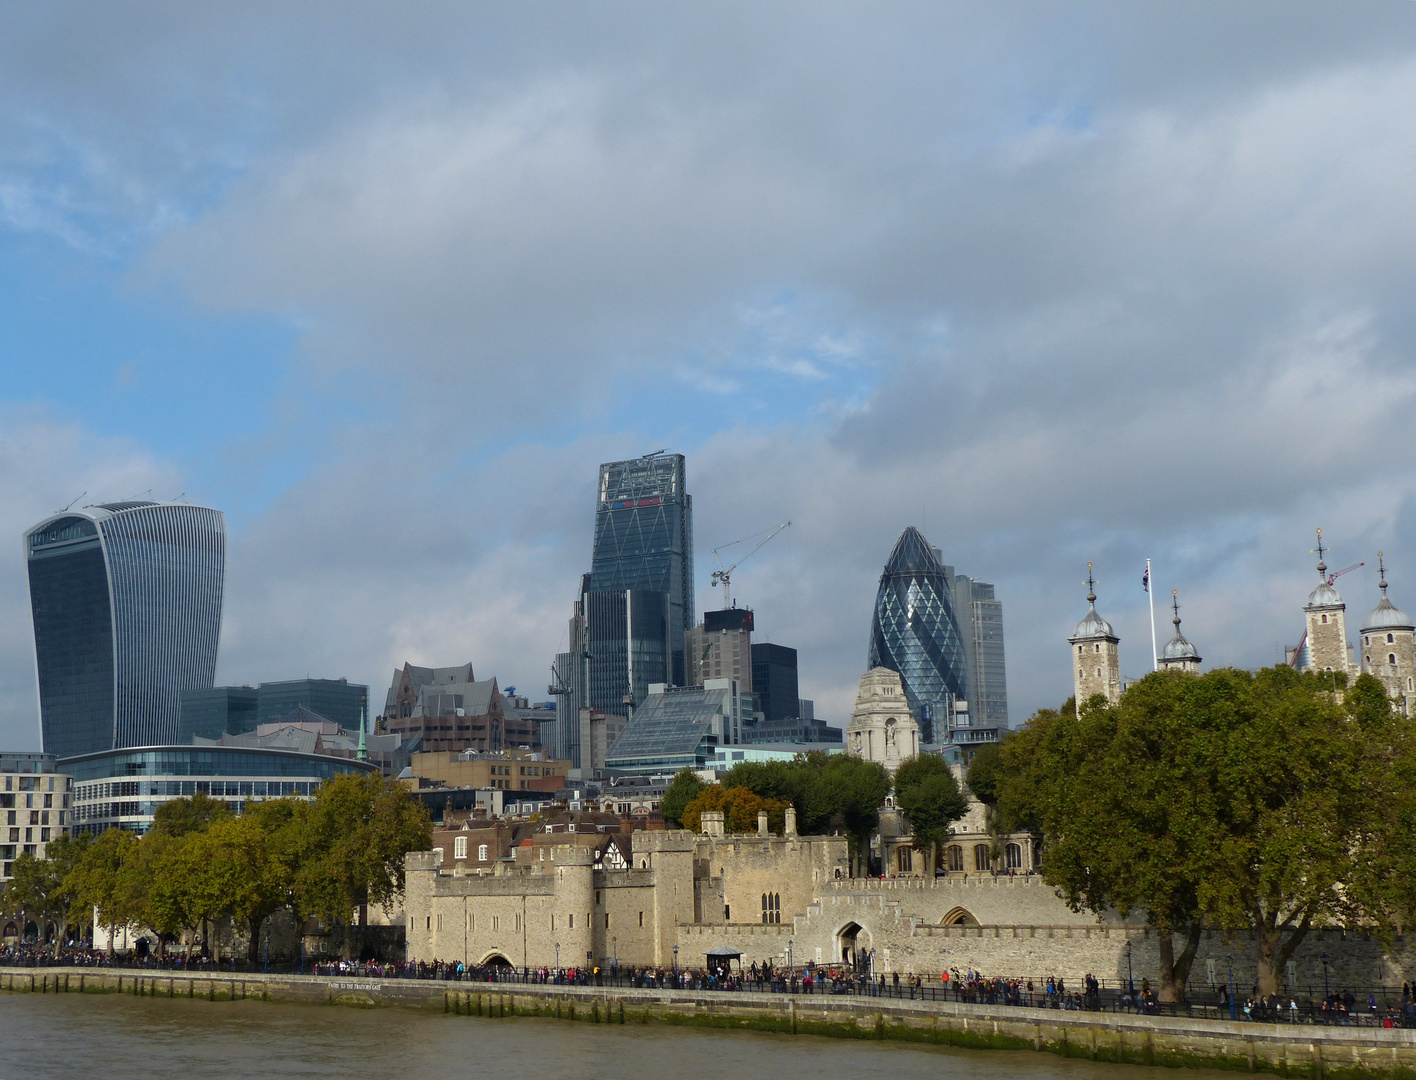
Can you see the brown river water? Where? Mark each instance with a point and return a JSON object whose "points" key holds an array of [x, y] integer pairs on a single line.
{"points": [[122, 1038]]}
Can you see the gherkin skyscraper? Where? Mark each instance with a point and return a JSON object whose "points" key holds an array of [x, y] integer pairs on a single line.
{"points": [[916, 632]]}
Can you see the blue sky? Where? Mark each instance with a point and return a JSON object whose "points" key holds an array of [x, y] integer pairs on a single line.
{"points": [[1061, 284]]}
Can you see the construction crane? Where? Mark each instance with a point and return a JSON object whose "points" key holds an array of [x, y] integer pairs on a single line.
{"points": [[724, 574], [1333, 577]]}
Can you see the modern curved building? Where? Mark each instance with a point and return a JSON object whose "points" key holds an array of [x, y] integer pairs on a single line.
{"points": [[126, 599], [122, 789], [915, 631]]}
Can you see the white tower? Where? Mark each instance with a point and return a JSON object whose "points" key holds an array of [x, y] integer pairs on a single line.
{"points": [[1096, 657], [881, 727], [1389, 647]]}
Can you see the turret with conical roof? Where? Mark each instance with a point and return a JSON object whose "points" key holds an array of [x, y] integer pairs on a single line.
{"points": [[1096, 657], [1178, 654], [1389, 646], [1327, 622]]}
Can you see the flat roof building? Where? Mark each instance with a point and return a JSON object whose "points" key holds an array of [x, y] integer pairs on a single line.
{"points": [[35, 806], [123, 788]]}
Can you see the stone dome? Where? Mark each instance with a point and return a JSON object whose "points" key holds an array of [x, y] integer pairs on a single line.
{"points": [[1093, 626], [1323, 596], [1387, 616], [1178, 648]]}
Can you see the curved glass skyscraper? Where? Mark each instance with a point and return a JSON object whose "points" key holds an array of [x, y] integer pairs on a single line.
{"points": [[915, 631], [126, 599]]}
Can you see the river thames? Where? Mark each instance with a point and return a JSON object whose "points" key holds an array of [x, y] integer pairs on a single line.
{"points": [[121, 1038]]}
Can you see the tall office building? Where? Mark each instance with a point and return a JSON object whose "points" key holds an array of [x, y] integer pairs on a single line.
{"points": [[980, 615], [774, 680], [720, 647], [644, 543], [915, 632], [126, 600]]}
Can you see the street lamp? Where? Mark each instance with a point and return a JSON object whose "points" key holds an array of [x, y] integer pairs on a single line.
{"points": [[791, 968], [675, 965], [615, 955], [1325, 977], [558, 961], [1233, 1009], [1130, 972]]}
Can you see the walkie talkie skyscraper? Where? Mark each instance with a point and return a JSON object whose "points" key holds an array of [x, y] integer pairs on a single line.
{"points": [[126, 599]]}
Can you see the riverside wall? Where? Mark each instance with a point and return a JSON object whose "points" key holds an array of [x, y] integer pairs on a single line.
{"points": [[1288, 1050]]}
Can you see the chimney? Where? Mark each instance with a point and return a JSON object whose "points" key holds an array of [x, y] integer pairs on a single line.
{"points": [[712, 822], [762, 823], [790, 829]]}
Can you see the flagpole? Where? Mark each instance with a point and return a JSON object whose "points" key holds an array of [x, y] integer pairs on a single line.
{"points": [[1150, 595]]}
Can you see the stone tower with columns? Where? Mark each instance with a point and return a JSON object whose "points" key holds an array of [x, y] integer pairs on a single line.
{"points": [[1178, 654], [1327, 622], [1389, 647], [881, 727], [1096, 658]]}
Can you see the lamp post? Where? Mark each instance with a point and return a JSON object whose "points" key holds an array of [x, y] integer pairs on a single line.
{"points": [[1130, 972], [791, 969], [1233, 1009], [1325, 977], [558, 961], [675, 965], [615, 955]]}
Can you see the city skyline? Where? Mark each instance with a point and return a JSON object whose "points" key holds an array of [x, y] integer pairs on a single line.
{"points": [[1054, 285]]}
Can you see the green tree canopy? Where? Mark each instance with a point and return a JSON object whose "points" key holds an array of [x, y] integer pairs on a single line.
{"points": [[682, 790], [984, 773], [38, 888], [1245, 801], [928, 794]]}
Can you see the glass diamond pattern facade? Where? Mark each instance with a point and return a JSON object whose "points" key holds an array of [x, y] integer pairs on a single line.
{"points": [[915, 632]]}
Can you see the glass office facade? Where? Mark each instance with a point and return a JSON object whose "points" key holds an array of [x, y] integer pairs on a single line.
{"points": [[677, 729], [915, 632], [126, 599], [123, 788], [629, 646], [221, 710], [774, 681], [644, 539], [334, 699], [980, 615]]}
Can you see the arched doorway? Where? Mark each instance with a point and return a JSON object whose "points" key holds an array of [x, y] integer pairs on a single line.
{"points": [[958, 917], [495, 960], [11, 930], [31, 932], [853, 947]]}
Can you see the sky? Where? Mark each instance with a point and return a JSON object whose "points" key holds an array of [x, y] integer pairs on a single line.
{"points": [[1057, 284]]}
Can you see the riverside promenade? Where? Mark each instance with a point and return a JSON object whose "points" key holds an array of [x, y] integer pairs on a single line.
{"points": [[1286, 1049]]}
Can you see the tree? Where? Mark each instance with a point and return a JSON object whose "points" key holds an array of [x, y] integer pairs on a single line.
{"points": [[928, 794], [856, 789], [984, 773], [37, 886], [194, 813], [105, 878], [350, 844], [1246, 801], [682, 790], [249, 870], [740, 807]]}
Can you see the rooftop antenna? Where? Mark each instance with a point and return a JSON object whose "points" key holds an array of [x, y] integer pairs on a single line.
{"points": [[656, 453], [180, 497], [75, 499]]}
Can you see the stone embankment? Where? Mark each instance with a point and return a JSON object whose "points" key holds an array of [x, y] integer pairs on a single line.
{"points": [[1297, 1050]]}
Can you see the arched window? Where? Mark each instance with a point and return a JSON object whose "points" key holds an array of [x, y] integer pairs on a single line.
{"points": [[1324, 618], [1013, 854], [1098, 673], [1391, 659], [1097, 647], [982, 860], [1079, 648], [1391, 639], [954, 858]]}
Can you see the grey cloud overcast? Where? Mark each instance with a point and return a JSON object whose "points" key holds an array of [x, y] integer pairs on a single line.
{"points": [[1061, 284]]}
